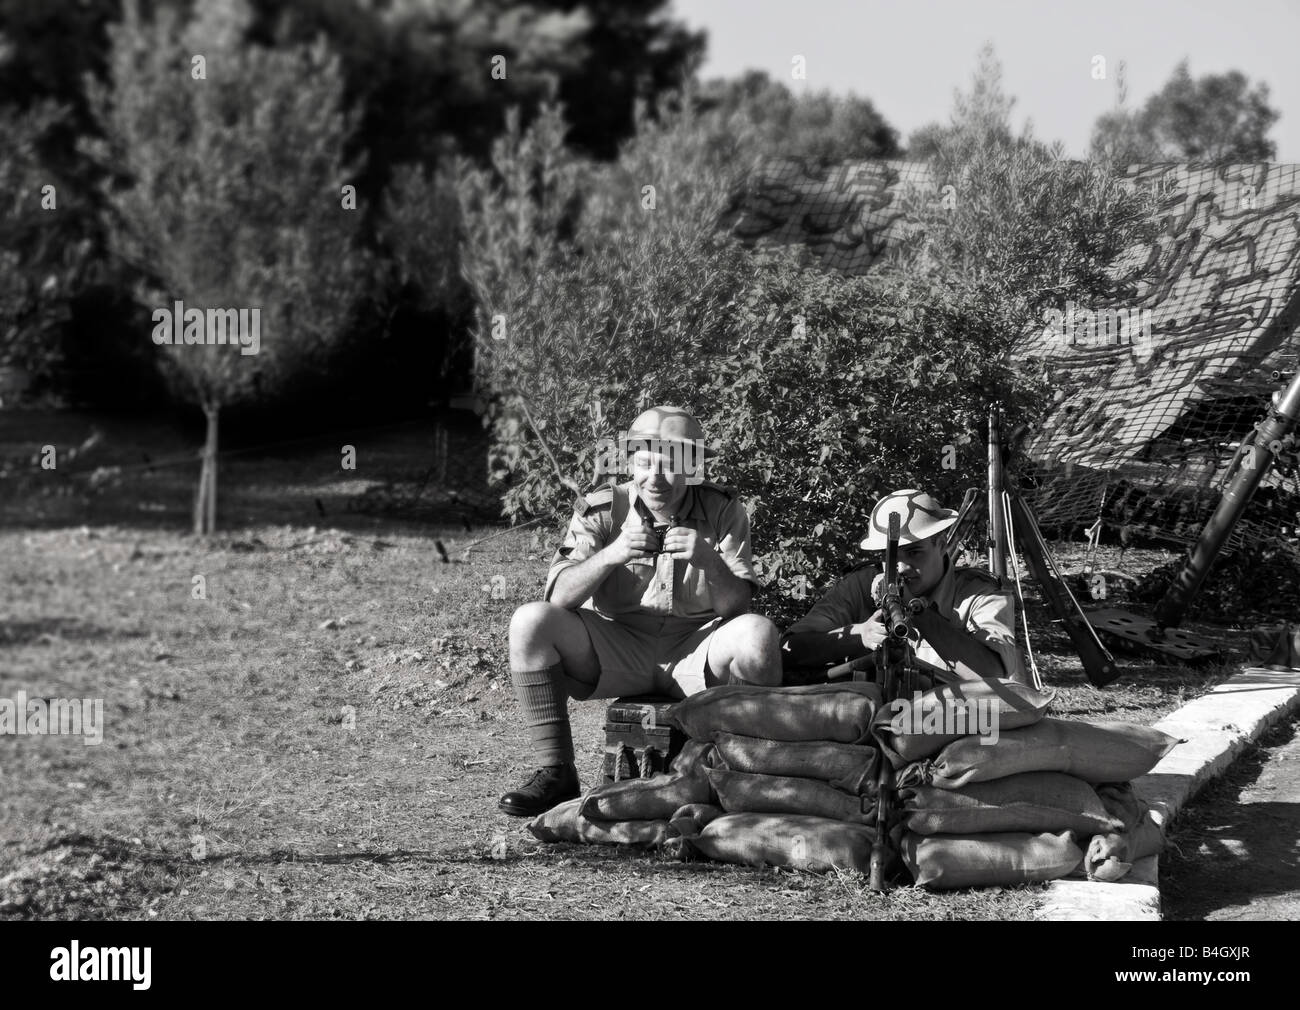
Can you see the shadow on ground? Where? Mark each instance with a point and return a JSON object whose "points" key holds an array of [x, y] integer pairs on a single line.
{"points": [[1235, 851]]}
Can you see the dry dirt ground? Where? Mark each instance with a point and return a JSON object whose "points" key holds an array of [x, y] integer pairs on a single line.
{"points": [[326, 733]]}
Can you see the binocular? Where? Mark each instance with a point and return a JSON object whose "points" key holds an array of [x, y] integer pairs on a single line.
{"points": [[657, 531]]}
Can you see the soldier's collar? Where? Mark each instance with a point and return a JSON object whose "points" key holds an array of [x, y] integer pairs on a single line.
{"points": [[946, 591]]}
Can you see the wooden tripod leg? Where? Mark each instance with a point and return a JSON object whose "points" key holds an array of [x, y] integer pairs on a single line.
{"points": [[1098, 663]]}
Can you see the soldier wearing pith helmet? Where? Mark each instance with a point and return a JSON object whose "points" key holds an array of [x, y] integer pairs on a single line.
{"points": [[967, 629], [648, 594]]}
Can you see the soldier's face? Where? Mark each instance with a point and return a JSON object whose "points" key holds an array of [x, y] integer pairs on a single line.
{"points": [[658, 484], [920, 565]]}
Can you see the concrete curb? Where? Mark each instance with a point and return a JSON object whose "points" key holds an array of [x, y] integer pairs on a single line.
{"points": [[1216, 727]]}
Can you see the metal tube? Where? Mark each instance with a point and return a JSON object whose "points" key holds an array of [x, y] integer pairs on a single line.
{"points": [[997, 518], [891, 603], [1280, 422]]}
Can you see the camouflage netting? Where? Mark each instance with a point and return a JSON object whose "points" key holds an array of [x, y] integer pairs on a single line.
{"points": [[1150, 418]]}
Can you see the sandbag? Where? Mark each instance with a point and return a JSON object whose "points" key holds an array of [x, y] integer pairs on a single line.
{"points": [[739, 792], [922, 725], [795, 842], [1147, 839], [694, 757], [1111, 856], [559, 824], [841, 713], [1107, 857], [1095, 752], [1001, 859], [649, 799], [691, 819], [649, 834], [1035, 802], [849, 767], [1123, 803]]}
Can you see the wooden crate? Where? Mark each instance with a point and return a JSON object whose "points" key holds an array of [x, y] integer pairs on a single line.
{"points": [[639, 739]]}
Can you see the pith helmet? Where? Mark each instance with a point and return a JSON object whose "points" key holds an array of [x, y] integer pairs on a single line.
{"points": [[920, 516], [665, 424]]}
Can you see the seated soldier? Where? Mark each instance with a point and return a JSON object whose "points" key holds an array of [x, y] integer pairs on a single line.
{"points": [[649, 594], [967, 631]]}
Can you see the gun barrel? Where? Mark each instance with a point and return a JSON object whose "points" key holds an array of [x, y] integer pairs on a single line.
{"points": [[895, 616], [891, 604]]}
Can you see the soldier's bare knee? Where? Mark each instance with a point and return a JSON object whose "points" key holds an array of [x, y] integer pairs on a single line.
{"points": [[752, 634], [749, 649], [530, 622]]}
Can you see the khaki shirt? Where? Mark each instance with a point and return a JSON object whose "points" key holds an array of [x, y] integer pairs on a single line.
{"points": [[968, 597], [659, 586]]}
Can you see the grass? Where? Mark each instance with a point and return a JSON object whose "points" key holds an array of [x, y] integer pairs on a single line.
{"points": [[326, 734]]}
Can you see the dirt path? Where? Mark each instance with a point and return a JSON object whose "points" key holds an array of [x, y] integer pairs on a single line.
{"points": [[1235, 853]]}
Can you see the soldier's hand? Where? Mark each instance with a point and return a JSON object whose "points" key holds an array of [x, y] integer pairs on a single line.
{"points": [[634, 542], [871, 631], [685, 544]]}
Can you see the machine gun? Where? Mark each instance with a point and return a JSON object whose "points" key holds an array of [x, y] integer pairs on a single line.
{"points": [[895, 673], [893, 667]]}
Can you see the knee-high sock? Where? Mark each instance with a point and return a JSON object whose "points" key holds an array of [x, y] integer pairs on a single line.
{"points": [[546, 710]]}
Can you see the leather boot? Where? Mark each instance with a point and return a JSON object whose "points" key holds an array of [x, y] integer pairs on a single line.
{"points": [[548, 787]]}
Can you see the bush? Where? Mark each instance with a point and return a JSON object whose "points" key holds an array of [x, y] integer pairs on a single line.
{"points": [[1011, 217], [885, 382], [591, 306], [814, 127], [843, 390], [822, 392], [43, 256]]}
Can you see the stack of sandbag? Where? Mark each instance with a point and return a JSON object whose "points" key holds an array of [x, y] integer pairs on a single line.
{"points": [[795, 774], [781, 776], [985, 836], [1036, 803], [788, 777], [641, 812]]}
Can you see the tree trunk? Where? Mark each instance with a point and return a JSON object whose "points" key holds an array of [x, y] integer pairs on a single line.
{"points": [[205, 503], [201, 495]]}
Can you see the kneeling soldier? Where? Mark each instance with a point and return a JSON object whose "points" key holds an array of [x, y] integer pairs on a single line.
{"points": [[967, 631], [649, 593]]}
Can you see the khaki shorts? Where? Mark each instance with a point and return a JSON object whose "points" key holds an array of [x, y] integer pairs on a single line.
{"points": [[665, 656]]}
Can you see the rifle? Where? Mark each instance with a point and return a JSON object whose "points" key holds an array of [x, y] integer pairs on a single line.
{"points": [[894, 668], [896, 674]]}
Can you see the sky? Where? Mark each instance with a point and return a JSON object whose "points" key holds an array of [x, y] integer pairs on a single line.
{"points": [[907, 56]]}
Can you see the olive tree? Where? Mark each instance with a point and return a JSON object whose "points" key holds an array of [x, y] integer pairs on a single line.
{"points": [[228, 191]]}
